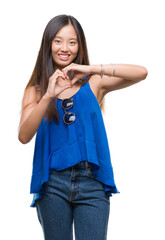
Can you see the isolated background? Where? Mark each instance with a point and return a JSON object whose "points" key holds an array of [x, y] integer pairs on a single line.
{"points": [[130, 31]]}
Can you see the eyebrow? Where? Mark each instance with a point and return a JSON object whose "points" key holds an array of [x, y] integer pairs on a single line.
{"points": [[69, 38]]}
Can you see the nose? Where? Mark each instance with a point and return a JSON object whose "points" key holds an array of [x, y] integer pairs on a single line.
{"points": [[64, 47]]}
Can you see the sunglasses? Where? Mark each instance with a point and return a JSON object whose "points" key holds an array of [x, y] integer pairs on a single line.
{"points": [[69, 117]]}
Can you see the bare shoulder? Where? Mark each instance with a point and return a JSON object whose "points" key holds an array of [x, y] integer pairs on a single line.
{"points": [[95, 85]]}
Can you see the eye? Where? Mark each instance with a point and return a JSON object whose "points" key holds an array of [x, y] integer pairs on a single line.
{"points": [[72, 43], [57, 41]]}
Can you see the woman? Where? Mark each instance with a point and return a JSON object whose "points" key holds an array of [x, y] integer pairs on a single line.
{"points": [[72, 174]]}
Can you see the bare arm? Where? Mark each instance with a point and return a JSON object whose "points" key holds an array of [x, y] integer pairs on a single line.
{"points": [[32, 115], [125, 71], [124, 75]]}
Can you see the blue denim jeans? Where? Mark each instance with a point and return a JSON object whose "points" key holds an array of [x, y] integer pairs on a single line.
{"points": [[73, 194]]}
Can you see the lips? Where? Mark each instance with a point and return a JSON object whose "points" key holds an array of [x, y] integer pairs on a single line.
{"points": [[64, 57]]}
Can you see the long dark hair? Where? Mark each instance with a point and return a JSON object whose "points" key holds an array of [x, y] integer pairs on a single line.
{"points": [[45, 65]]}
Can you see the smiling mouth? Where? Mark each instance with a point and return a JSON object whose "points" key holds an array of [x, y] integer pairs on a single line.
{"points": [[64, 57]]}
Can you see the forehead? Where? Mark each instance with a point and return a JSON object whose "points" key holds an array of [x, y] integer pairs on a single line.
{"points": [[67, 31]]}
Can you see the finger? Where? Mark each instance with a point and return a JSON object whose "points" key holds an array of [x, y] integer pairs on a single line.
{"points": [[65, 72], [58, 71], [67, 69], [60, 74], [54, 78]]}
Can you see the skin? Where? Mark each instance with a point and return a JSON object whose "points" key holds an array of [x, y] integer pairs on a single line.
{"points": [[116, 76], [61, 86], [66, 43]]}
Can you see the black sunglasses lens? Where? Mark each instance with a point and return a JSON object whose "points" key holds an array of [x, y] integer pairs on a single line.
{"points": [[69, 118], [67, 103]]}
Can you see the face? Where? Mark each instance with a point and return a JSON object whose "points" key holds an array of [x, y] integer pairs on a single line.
{"points": [[65, 46]]}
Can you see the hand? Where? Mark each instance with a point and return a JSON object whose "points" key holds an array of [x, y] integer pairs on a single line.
{"points": [[80, 71], [54, 88]]}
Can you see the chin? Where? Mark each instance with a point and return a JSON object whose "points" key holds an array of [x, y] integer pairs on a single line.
{"points": [[62, 65]]}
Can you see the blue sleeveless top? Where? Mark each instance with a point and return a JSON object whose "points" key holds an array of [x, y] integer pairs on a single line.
{"points": [[59, 146]]}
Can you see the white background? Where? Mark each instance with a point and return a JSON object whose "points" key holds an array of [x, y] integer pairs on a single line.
{"points": [[130, 31]]}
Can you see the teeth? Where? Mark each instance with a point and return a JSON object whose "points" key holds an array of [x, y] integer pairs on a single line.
{"points": [[64, 56]]}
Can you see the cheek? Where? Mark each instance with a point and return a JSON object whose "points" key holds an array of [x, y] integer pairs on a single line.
{"points": [[75, 51], [54, 49]]}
